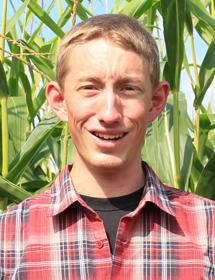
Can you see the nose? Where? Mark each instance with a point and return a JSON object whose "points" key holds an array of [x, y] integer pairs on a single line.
{"points": [[110, 109]]}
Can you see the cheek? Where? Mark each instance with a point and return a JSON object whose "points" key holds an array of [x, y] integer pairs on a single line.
{"points": [[78, 114], [138, 114]]}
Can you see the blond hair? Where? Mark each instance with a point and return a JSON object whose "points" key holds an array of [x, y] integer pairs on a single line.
{"points": [[121, 30]]}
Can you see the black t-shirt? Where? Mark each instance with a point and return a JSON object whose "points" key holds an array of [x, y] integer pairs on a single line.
{"points": [[111, 210]]}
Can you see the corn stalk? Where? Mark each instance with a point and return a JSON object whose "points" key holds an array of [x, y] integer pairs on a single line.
{"points": [[4, 101], [3, 201]]}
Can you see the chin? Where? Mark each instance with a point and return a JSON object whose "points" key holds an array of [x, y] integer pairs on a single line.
{"points": [[108, 163]]}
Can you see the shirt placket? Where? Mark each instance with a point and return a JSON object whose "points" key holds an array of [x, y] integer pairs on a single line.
{"points": [[101, 250]]}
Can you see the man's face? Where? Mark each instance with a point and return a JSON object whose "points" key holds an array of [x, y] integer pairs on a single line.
{"points": [[108, 102]]}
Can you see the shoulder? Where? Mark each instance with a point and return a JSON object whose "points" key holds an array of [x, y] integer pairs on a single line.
{"points": [[20, 213], [195, 213], [21, 223], [183, 198], [176, 197], [41, 203]]}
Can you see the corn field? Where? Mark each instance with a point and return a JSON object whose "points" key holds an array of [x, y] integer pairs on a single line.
{"points": [[35, 145]]}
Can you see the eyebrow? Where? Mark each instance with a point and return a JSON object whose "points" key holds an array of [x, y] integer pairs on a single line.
{"points": [[128, 79], [123, 79], [89, 78]]}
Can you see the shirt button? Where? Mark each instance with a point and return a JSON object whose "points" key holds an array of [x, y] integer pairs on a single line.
{"points": [[99, 244], [124, 242]]}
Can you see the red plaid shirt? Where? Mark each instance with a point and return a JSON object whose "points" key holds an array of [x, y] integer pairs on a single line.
{"points": [[55, 235]]}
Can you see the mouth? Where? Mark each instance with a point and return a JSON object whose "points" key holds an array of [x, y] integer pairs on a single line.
{"points": [[109, 137]]}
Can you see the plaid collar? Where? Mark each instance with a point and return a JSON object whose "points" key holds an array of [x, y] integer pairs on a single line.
{"points": [[64, 195]]}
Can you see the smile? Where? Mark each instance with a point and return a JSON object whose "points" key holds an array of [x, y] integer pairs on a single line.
{"points": [[109, 136]]}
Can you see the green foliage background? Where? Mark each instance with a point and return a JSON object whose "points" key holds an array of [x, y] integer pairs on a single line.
{"points": [[35, 145]]}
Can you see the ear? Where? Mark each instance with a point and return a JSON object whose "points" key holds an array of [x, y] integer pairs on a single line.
{"points": [[159, 99], [56, 101]]}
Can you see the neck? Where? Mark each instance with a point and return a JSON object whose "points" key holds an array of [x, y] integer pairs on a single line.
{"points": [[100, 182]]}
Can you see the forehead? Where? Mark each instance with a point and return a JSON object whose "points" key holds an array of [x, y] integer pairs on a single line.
{"points": [[102, 52]]}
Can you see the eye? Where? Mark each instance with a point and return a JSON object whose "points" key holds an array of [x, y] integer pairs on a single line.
{"points": [[89, 87], [129, 89]]}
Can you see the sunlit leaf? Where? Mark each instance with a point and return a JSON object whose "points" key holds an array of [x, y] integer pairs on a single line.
{"points": [[118, 6], [13, 192], [45, 18], [32, 146], [136, 8], [12, 22], [198, 9], [205, 31]]}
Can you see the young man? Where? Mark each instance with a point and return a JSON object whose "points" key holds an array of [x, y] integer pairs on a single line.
{"points": [[108, 216]]}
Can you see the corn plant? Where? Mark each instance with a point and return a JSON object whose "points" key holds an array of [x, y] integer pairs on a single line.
{"points": [[35, 145]]}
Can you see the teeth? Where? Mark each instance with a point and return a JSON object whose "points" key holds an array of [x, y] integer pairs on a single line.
{"points": [[109, 137]]}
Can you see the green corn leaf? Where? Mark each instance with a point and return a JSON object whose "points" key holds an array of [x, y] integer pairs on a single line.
{"points": [[196, 170], [4, 91], [45, 66], [82, 12], [205, 126], [151, 17], [12, 22], [158, 146], [39, 101], [65, 17], [17, 123], [188, 21], [198, 9], [14, 25], [136, 8], [54, 144], [34, 177], [205, 32], [206, 182], [32, 146], [118, 6], [28, 95], [187, 68], [15, 69], [45, 18], [173, 13], [1, 141], [38, 29], [11, 191], [207, 73]]}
